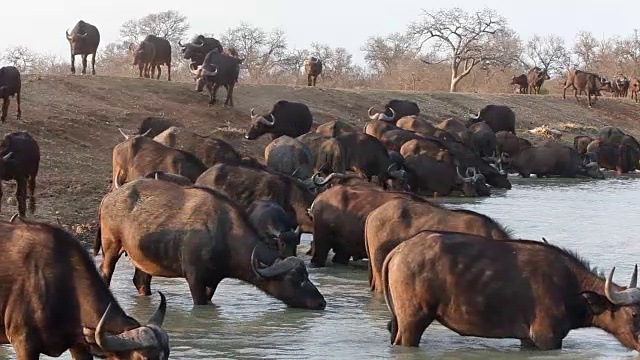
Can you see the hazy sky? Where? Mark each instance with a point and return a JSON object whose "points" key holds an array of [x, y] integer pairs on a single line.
{"points": [[40, 24]]}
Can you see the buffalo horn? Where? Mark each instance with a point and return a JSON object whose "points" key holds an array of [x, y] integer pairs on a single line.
{"points": [[8, 156], [474, 116], [278, 268], [624, 297], [180, 43], [319, 180], [83, 35], [372, 116], [156, 175], [460, 175], [267, 122], [634, 278], [16, 215], [253, 115], [384, 116], [196, 72], [201, 44], [272, 231], [298, 231], [295, 172], [544, 240], [67, 33], [126, 136], [127, 341]]}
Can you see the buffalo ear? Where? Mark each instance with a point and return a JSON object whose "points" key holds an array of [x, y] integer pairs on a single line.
{"points": [[596, 302]]}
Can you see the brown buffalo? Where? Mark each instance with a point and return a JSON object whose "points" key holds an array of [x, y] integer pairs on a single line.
{"points": [[415, 124], [394, 139], [68, 306], [620, 86], [440, 175], [246, 185], [634, 85], [209, 150], [587, 82], [151, 53], [581, 142], [314, 141], [200, 235], [139, 155], [174, 178], [10, 85], [420, 146], [20, 161], [83, 40], [535, 79], [521, 82], [398, 220], [377, 128], [338, 216], [336, 128], [550, 291], [507, 142], [153, 126], [312, 68], [456, 128], [289, 156]]}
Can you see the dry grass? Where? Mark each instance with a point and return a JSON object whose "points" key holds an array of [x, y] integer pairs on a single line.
{"points": [[75, 119]]}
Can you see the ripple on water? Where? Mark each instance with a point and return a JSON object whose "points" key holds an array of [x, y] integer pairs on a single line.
{"points": [[596, 218]]}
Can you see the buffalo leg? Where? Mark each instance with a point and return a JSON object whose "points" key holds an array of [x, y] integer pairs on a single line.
{"points": [[142, 282], [320, 246], [159, 72], [0, 195], [214, 91], [21, 196], [24, 350], [412, 321], [153, 70], [308, 79], [340, 256], [315, 78], [169, 71], [84, 64], [19, 115], [80, 352], [527, 344], [31, 183], [73, 63], [197, 288], [5, 109], [93, 64], [211, 289], [229, 100], [110, 255]]}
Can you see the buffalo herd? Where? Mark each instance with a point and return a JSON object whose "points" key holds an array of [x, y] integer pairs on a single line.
{"points": [[186, 205]]}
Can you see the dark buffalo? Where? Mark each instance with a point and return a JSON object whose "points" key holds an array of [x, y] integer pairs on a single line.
{"points": [[621, 158], [535, 79], [559, 160], [246, 185], [521, 82], [20, 161], [394, 139], [498, 117], [83, 40], [151, 53], [198, 48], [338, 216], [415, 124], [399, 219], [138, 155], [153, 126], [483, 139], [396, 109], [611, 135], [270, 218], [439, 176], [285, 118], [217, 70], [507, 142], [581, 142], [457, 128], [69, 308], [312, 68], [200, 235], [289, 156], [10, 86], [174, 178], [620, 86], [585, 82], [208, 149], [335, 128], [551, 291]]}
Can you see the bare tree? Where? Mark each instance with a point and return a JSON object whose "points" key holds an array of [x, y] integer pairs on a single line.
{"points": [[21, 57], [466, 40], [293, 62], [381, 53], [586, 48], [170, 24], [262, 51], [548, 53]]}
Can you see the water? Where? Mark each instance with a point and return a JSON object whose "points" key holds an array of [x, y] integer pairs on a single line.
{"points": [[597, 218]]}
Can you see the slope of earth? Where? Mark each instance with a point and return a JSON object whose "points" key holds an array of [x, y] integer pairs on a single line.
{"points": [[75, 119]]}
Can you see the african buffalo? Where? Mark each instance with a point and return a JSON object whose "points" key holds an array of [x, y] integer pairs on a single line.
{"points": [[377, 128], [174, 178], [398, 109], [312, 68], [285, 118], [394, 139], [498, 117], [153, 126], [338, 216], [580, 143], [535, 79], [138, 155], [217, 70], [198, 48], [420, 146], [152, 52], [245, 185], [611, 135], [621, 158], [415, 124], [399, 219], [560, 160], [83, 40], [335, 128], [620, 86], [439, 176], [587, 82], [483, 139], [507, 142], [551, 291], [314, 141], [69, 307], [634, 85], [289, 156], [457, 128], [270, 218], [200, 235], [521, 82], [10, 86], [20, 161], [208, 149]]}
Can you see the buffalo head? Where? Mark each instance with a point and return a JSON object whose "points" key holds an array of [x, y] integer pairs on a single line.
{"points": [[469, 181], [474, 119], [591, 167], [381, 115], [287, 241], [260, 124], [76, 40], [200, 75], [288, 280], [144, 342]]}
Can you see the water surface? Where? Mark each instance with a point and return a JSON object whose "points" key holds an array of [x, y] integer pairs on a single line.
{"points": [[596, 218]]}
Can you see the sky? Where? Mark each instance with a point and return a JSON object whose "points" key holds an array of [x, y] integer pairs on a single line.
{"points": [[40, 24]]}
